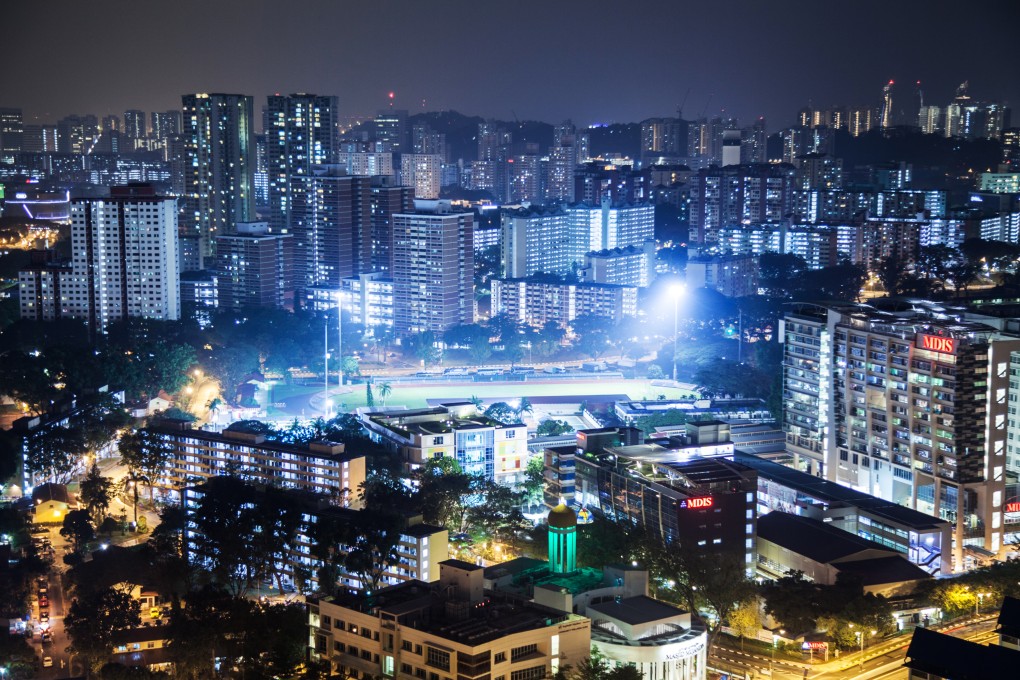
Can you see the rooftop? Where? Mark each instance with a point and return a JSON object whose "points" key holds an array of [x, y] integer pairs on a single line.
{"points": [[952, 657], [420, 606], [1009, 617], [636, 610], [830, 493], [816, 540]]}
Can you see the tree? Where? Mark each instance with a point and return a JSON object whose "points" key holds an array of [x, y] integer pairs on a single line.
{"points": [[96, 492], [962, 272], [93, 619], [385, 390], [778, 272], [655, 372], [349, 365], [423, 346], [593, 334], [131, 482], [594, 667], [534, 479], [891, 272], [523, 406], [369, 397], [553, 428], [549, 338], [55, 453], [225, 527], [502, 412], [745, 619], [148, 452], [78, 529]]}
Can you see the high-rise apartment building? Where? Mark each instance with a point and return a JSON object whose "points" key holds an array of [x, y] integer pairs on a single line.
{"points": [[301, 132], [739, 194], [165, 124], [910, 407], [423, 172], [124, 257], [374, 242], [433, 269], [77, 134], [391, 130], [254, 268], [219, 167], [11, 130], [663, 138], [134, 128], [324, 237], [540, 240]]}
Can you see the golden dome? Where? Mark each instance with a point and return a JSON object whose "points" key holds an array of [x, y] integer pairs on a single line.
{"points": [[562, 517]]}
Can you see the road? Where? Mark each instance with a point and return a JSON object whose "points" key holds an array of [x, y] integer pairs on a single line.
{"points": [[884, 663], [57, 647]]}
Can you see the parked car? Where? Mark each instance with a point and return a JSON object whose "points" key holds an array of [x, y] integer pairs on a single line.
{"points": [[47, 661]]}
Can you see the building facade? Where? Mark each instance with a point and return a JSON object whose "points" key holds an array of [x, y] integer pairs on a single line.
{"points": [[218, 179], [433, 270], [908, 407], [536, 302], [254, 268]]}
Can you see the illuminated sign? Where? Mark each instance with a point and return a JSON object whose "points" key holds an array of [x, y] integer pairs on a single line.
{"points": [[814, 645], [704, 502], [1012, 507], [936, 343]]}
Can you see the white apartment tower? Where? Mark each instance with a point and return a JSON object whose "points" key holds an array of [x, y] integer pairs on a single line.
{"points": [[124, 257]]}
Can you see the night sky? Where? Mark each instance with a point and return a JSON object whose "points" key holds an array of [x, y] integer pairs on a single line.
{"points": [[591, 61]]}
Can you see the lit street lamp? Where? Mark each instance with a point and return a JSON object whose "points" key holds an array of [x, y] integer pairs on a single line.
{"points": [[677, 291], [860, 638], [978, 602], [775, 643]]}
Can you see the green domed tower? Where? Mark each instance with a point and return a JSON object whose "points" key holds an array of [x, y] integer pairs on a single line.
{"points": [[562, 540]]}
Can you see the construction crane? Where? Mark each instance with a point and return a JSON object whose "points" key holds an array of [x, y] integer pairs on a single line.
{"points": [[680, 109]]}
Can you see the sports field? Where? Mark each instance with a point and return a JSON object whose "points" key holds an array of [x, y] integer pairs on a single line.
{"points": [[417, 395]]}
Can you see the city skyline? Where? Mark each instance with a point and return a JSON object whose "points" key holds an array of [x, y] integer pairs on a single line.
{"points": [[569, 61]]}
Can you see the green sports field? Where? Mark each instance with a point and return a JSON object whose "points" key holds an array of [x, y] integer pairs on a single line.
{"points": [[416, 395]]}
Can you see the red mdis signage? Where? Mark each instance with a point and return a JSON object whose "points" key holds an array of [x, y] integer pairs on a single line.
{"points": [[936, 343], [693, 503], [1013, 506]]}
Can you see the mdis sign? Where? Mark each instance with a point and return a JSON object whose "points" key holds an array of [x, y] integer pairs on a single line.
{"points": [[936, 343], [696, 503]]}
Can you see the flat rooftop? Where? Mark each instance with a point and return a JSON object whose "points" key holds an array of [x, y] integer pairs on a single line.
{"points": [[831, 493], [636, 610]]}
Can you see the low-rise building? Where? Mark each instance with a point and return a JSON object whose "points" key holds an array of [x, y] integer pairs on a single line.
{"points": [[50, 503], [321, 466], [1008, 623], [792, 543], [453, 630], [940, 656], [418, 549], [924, 540], [480, 445]]}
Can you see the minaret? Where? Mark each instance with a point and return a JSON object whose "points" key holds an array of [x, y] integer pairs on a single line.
{"points": [[562, 540]]}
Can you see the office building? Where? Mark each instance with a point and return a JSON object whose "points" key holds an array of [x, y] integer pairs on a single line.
{"points": [[417, 552], [39, 139], [254, 268], [123, 258], [433, 269], [630, 266], [368, 299], [391, 130], [535, 302], [218, 179], [301, 133], [480, 445], [910, 407], [559, 467], [823, 554], [423, 172], [77, 134], [917, 536], [688, 490], [453, 629], [199, 296], [165, 124]]}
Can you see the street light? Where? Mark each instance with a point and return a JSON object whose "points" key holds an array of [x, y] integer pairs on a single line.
{"points": [[775, 643], [978, 602], [677, 290]]}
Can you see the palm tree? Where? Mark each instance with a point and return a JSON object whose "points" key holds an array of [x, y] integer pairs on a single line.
{"points": [[132, 481], [385, 389], [524, 406], [476, 401]]}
